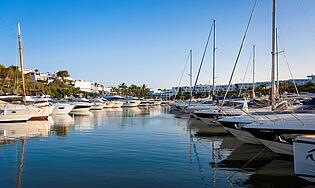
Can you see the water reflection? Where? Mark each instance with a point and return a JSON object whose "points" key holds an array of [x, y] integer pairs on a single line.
{"points": [[62, 124], [137, 147], [276, 173], [84, 123], [246, 165], [13, 131]]}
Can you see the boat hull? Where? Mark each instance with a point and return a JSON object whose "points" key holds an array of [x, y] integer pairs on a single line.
{"points": [[117, 104], [62, 109], [304, 158], [278, 147], [243, 136]]}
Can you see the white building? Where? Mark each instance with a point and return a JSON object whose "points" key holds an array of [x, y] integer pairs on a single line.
{"points": [[89, 86], [37, 76], [86, 86]]}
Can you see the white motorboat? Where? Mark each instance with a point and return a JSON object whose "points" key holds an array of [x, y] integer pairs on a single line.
{"points": [[62, 108], [99, 104], [118, 104], [131, 103], [81, 108], [157, 102], [144, 103], [108, 104], [10, 113], [304, 157], [118, 100]]}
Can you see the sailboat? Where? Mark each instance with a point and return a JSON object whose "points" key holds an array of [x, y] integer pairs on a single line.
{"points": [[41, 110], [277, 133], [22, 112]]}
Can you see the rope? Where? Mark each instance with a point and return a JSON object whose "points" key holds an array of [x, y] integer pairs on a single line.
{"points": [[181, 77], [253, 158], [287, 63], [249, 60], [307, 23], [240, 50], [202, 59]]}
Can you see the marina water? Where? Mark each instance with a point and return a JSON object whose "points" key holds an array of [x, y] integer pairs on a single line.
{"points": [[135, 147]]}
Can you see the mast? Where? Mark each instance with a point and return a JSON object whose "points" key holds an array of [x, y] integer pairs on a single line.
{"points": [[273, 57], [190, 72], [213, 59], [254, 59], [277, 59], [21, 61]]}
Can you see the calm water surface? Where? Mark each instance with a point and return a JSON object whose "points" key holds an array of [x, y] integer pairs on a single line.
{"points": [[134, 148]]}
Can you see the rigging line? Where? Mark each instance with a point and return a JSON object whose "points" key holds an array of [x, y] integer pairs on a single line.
{"points": [[293, 80], [250, 160], [202, 59], [249, 61], [307, 22], [181, 77], [287, 63], [240, 50]]}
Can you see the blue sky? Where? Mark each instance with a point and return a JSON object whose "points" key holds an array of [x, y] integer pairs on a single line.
{"points": [[147, 41]]}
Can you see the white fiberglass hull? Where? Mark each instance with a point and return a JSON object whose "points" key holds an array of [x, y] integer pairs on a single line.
{"points": [[118, 104], [11, 116], [109, 104], [97, 107], [41, 113], [62, 109], [81, 109], [156, 103], [304, 156], [131, 104]]}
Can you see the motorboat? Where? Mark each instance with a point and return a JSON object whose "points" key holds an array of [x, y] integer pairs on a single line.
{"points": [[62, 108], [81, 108], [131, 102], [99, 104], [118, 100]]}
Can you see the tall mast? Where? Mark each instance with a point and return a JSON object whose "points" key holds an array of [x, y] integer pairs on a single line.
{"points": [[213, 59], [190, 72], [277, 60], [273, 57], [254, 59], [21, 62]]}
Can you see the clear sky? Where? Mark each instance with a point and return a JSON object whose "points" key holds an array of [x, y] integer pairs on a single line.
{"points": [[147, 41]]}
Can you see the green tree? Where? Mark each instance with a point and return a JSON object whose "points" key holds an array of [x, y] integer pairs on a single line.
{"points": [[63, 74]]}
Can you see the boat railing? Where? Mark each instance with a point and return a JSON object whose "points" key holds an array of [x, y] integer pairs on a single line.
{"points": [[273, 120]]}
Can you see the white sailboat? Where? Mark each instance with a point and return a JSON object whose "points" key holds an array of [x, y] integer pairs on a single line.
{"points": [[39, 111], [278, 134], [19, 113]]}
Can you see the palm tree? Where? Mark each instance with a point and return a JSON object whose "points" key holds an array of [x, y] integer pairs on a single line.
{"points": [[123, 88]]}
